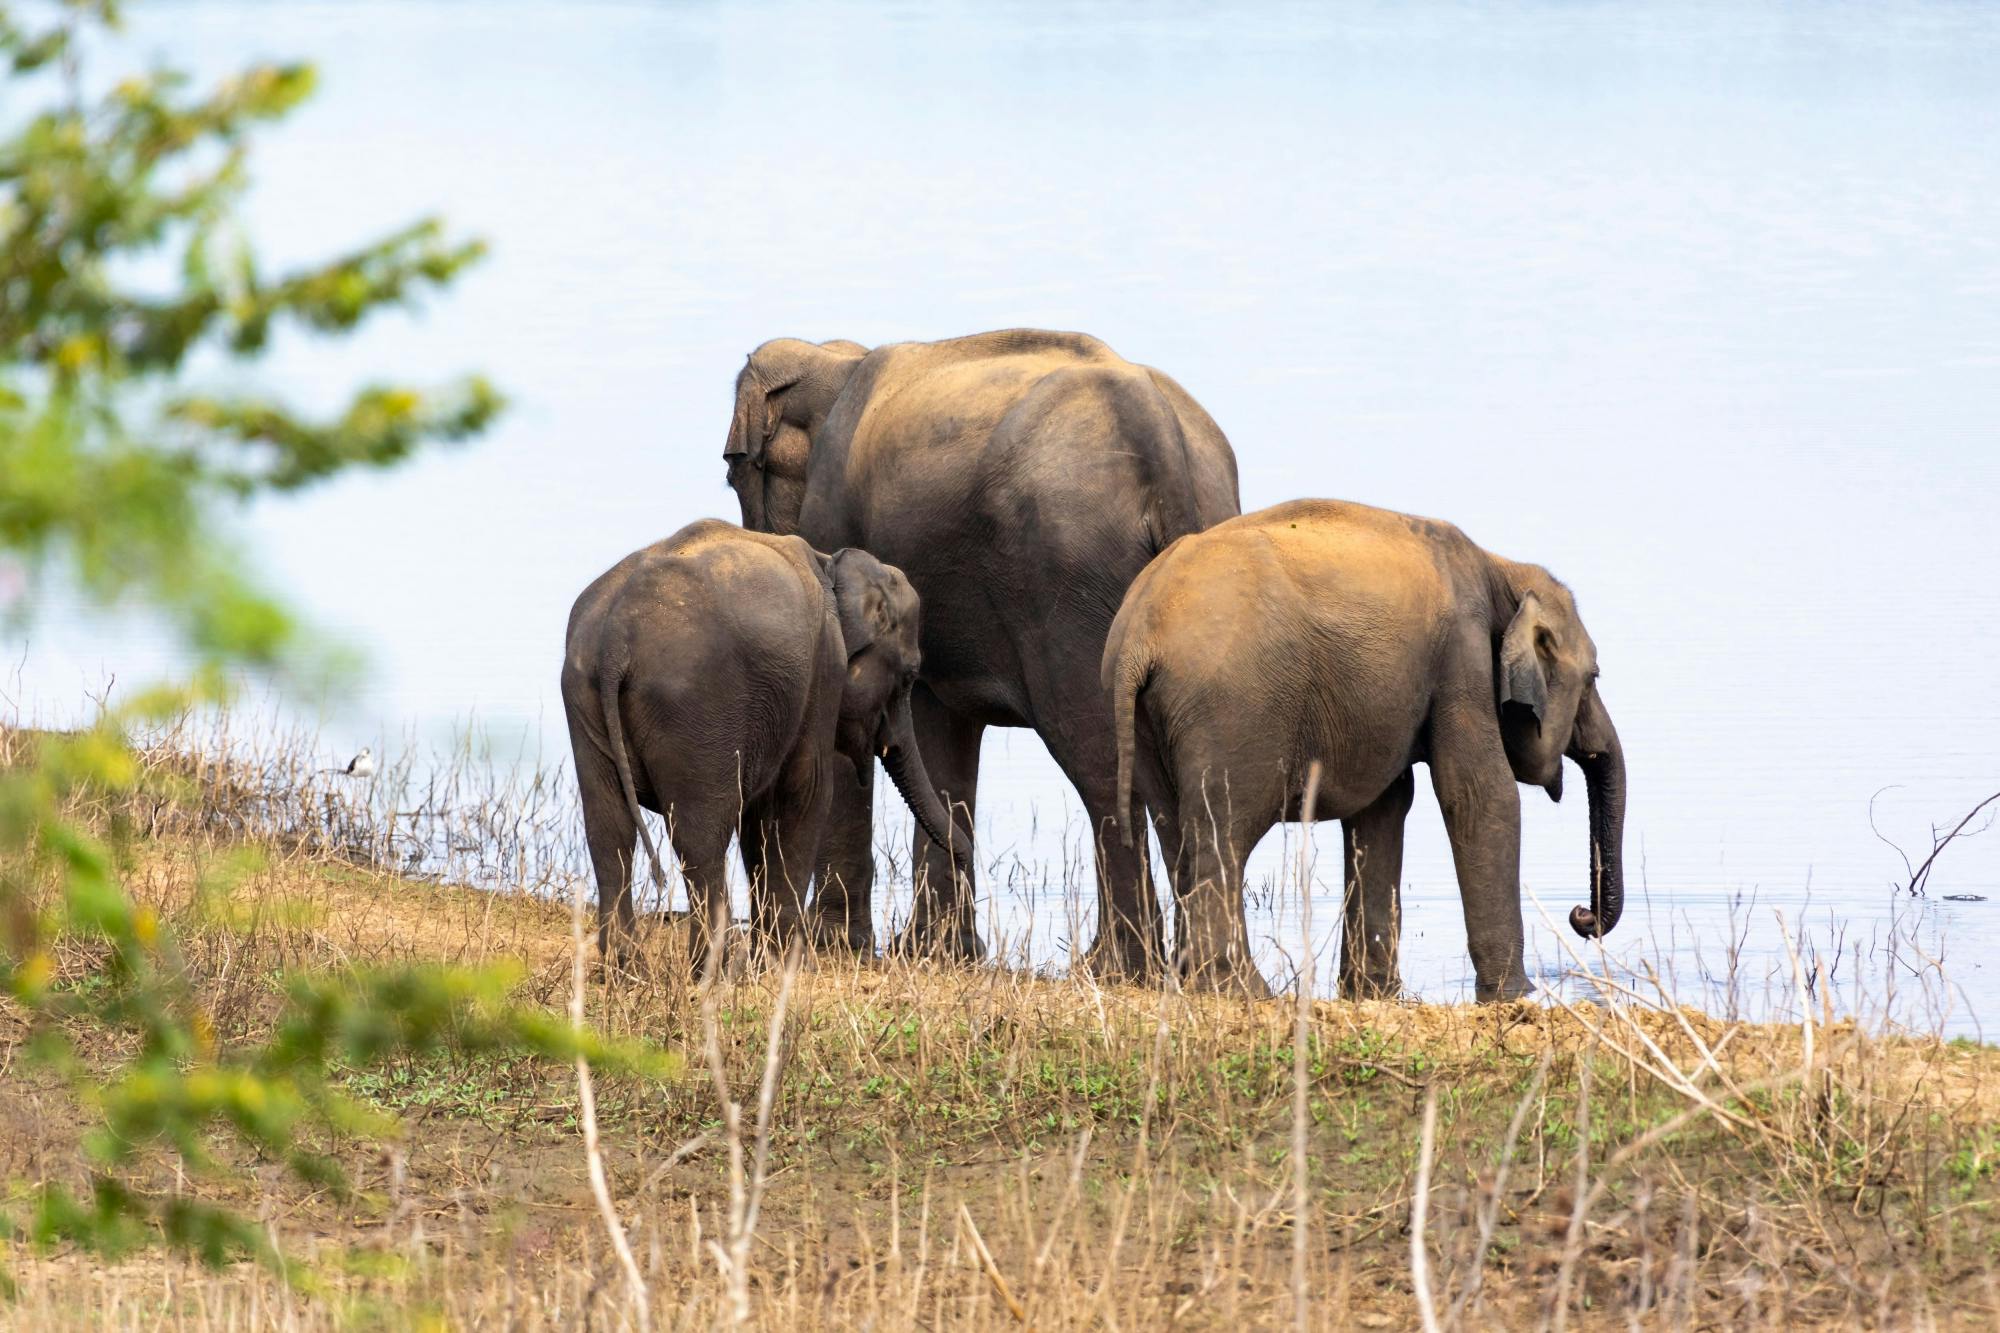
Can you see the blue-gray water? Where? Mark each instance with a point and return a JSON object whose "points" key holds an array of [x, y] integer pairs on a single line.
{"points": [[1699, 305]]}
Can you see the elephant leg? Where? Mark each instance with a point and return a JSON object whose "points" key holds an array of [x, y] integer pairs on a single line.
{"points": [[1129, 944], [780, 836], [701, 841], [1482, 814], [1212, 939], [942, 916], [842, 911], [610, 833], [1372, 841], [774, 908]]}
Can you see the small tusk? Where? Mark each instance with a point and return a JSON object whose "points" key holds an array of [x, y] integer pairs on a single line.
{"points": [[885, 752]]}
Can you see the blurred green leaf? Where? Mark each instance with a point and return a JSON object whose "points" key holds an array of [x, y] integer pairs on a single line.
{"points": [[117, 476]]}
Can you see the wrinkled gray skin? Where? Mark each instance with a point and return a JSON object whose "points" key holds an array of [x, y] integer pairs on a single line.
{"points": [[1021, 479], [734, 682], [1367, 641]]}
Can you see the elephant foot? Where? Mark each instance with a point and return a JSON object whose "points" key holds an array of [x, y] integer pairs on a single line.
{"points": [[838, 932], [1120, 957], [723, 955], [1224, 978], [928, 940], [623, 965], [1513, 986], [1371, 986], [777, 956], [731, 961]]}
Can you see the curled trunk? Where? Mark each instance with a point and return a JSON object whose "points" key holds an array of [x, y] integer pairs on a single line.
{"points": [[906, 769], [1597, 752]]}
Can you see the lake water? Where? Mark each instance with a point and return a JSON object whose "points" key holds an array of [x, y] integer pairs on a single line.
{"points": [[1698, 305]]}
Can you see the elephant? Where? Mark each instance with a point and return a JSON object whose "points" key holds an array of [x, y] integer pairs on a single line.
{"points": [[733, 682], [1020, 479], [1362, 641]]}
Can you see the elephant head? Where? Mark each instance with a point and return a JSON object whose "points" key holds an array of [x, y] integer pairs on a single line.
{"points": [[783, 394], [878, 611], [1546, 672]]}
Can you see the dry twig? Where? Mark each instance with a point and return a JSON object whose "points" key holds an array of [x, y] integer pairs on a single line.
{"points": [[1420, 1209], [586, 1095]]}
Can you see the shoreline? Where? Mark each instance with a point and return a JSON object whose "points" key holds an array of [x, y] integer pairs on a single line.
{"points": [[1122, 1154]]}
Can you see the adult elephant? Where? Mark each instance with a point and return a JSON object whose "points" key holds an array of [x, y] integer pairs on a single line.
{"points": [[1020, 480]]}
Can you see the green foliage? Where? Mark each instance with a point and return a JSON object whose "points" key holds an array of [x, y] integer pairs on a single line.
{"points": [[1977, 1158], [115, 476], [106, 460]]}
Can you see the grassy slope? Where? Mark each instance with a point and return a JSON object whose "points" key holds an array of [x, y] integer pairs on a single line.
{"points": [[1123, 1156]]}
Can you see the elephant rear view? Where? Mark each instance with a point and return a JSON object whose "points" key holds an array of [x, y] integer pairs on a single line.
{"points": [[1022, 479], [1363, 641], [732, 681]]}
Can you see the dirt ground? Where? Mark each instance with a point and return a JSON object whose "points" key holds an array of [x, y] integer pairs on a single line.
{"points": [[972, 1147]]}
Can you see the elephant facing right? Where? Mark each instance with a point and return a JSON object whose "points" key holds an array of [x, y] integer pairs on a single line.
{"points": [[1366, 641]]}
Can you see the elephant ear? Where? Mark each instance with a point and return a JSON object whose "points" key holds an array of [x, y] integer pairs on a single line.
{"points": [[774, 409], [1523, 678], [762, 419], [860, 599], [760, 391]]}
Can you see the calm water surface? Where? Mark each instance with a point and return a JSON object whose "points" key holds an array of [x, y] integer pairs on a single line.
{"points": [[1697, 305]]}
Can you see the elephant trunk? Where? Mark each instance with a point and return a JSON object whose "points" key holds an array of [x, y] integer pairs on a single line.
{"points": [[741, 451], [906, 769], [750, 498], [1597, 751]]}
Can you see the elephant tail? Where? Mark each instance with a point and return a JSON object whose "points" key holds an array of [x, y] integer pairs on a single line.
{"points": [[621, 759], [1131, 673]]}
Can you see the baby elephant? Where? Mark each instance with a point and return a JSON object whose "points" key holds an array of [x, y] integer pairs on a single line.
{"points": [[727, 680], [1367, 642]]}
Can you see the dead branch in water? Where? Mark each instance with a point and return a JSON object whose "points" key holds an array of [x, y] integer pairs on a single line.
{"points": [[1918, 875]]}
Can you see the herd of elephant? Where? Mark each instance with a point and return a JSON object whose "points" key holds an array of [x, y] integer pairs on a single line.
{"points": [[1027, 530]]}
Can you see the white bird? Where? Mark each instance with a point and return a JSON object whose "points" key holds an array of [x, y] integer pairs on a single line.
{"points": [[362, 765]]}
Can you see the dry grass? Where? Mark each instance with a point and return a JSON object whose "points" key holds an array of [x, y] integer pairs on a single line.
{"points": [[924, 1147]]}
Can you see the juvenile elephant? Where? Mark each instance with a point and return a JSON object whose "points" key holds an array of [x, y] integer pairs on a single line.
{"points": [[1367, 641], [732, 681], [1021, 479]]}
